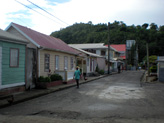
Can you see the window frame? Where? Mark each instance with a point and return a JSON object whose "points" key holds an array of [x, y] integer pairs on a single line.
{"points": [[56, 63], [65, 63], [12, 66], [46, 70], [72, 63]]}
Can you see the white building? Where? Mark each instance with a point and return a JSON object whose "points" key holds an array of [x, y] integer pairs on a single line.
{"points": [[99, 49]]}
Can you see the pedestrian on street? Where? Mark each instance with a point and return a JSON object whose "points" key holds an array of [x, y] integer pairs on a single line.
{"points": [[77, 76]]}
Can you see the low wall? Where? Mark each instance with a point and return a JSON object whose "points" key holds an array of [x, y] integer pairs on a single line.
{"points": [[67, 75]]}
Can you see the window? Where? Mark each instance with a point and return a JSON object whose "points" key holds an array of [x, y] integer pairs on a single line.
{"points": [[65, 62], [47, 63], [56, 62], [14, 57], [103, 53], [71, 63]]}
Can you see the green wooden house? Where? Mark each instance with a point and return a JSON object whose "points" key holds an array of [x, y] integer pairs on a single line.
{"points": [[12, 62]]}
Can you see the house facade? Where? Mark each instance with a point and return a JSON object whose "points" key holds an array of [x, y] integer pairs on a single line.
{"points": [[120, 55], [46, 55], [102, 50], [90, 61], [95, 48], [160, 68], [12, 62]]}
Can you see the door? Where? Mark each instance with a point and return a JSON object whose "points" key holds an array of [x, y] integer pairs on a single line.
{"points": [[31, 68], [0, 66]]}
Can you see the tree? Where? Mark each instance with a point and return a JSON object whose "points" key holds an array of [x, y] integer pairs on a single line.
{"points": [[145, 25], [153, 26], [119, 33], [152, 59]]}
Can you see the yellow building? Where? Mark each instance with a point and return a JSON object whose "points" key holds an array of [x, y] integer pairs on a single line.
{"points": [[45, 55]]}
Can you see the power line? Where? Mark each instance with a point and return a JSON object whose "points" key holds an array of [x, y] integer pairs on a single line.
{"points": [[22, 21], [47, 12], [37, 11]]}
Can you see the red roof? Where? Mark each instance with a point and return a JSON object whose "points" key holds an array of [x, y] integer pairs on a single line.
{"points": [[119, 47], [45, 41], [123, 57]]}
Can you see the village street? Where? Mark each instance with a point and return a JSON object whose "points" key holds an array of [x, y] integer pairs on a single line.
{"points": [[116, 98]]}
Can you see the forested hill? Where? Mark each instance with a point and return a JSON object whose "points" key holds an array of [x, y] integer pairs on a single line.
{"points": [[119, 33], [83, 33]]}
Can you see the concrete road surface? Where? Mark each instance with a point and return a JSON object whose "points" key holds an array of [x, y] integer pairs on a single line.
{"points": [[114, 99]]}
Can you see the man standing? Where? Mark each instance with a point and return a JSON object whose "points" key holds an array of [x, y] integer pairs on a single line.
{"points": [[77, 76]]}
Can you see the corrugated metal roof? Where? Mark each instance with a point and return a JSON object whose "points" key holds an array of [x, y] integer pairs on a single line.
{"points": [[6, 36], [45, 41], [88, 53], [119, 47], [89, 46]]}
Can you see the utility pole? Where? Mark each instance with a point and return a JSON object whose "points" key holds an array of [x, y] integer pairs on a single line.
{"points": [[147, 48], [108, 49]]}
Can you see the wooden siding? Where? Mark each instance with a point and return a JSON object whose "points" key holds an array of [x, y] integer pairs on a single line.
{"points": [[52, 61], [12, 75], [15, 32]]}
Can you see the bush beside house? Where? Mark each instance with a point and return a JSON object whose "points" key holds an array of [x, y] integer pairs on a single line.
{"points": [[46, 82], [153, 69]]}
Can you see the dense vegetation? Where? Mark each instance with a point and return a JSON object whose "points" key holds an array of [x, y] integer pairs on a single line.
{"points": [[119, 33]]}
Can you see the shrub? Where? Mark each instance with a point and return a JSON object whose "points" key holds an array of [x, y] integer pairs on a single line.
{"points": [[101, 72], [55, 77], [41, 79], [44, 79], [47, 79], [153, 69]]}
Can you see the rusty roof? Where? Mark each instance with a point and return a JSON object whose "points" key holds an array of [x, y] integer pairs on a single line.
{"points": [[42, 40]]}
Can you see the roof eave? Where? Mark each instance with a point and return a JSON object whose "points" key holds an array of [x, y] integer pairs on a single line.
{"points": [[87, 53], [59, 50], [12, 25], [13, 40]]}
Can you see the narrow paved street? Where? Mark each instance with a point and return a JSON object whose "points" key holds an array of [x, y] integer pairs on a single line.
{"points": [[114, 99]]}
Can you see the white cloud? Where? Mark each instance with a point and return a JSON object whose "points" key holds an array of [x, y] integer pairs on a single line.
{"points": [[98, 11]]}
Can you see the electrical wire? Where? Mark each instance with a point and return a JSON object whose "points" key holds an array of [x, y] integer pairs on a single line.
{"points": [[37, 12], [22, 21], [47, 12]]}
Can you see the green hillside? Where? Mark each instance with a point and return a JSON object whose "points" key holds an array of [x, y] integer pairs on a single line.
{"points": [[119, 33]]}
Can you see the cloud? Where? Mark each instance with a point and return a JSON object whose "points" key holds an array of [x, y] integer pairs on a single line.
{"points": [[71, 11]]}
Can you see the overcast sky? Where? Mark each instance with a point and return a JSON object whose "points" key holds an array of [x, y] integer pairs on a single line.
{"points": [[68, 12]]}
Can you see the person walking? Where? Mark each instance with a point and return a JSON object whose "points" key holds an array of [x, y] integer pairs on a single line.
{"points": [[77, 76]]}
